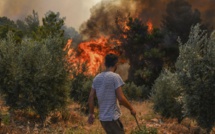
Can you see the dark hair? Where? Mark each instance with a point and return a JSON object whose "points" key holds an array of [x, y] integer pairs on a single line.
{"points": [[111, 60]]}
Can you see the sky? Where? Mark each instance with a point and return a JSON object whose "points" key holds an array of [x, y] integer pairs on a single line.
{"points": [[75, 11]]}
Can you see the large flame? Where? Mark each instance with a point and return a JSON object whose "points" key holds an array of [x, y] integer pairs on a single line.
{"points": [[90, 53]]}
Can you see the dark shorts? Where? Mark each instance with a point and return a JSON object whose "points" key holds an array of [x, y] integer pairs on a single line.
{"points": [[113, 127]]}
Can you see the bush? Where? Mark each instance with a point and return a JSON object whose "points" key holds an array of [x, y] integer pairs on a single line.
{"points": [[166, 96], [80, 88], [144, 130], [135, 92], [33, 75], [196, 72]]}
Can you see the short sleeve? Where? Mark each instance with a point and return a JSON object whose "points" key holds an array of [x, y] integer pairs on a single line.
{"points": [[118, 81]]}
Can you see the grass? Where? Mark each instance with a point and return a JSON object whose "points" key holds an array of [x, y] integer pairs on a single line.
{"points": [[72, 121]]}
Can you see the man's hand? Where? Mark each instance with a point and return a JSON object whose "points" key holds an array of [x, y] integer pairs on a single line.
{"points": [[91, 118], [133, 112]]}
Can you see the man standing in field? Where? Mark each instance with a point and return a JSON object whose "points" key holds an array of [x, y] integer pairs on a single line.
{"points": [[107, 86]]}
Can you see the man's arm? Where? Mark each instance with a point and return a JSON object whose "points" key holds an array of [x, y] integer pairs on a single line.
{"points": [[91, 106], [122, 99]]}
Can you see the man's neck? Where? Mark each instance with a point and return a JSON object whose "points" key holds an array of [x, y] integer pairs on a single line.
{"points": [[109, 69]]}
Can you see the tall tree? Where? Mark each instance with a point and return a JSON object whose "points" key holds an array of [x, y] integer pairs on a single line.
{"points": [[142, 50], [196, 72], [32, 21], [29, 25], [52, 26]]}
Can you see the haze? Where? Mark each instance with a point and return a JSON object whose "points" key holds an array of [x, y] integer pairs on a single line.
{"points": [[75, 11]]}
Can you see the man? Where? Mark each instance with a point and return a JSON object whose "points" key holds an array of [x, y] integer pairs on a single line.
{"points": [[107, 86]]}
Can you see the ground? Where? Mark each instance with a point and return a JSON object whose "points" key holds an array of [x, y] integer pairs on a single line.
{"points": [[75, 122]]}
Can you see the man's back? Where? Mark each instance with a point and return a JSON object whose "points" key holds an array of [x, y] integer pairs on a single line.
{"points": [[105, 85]]}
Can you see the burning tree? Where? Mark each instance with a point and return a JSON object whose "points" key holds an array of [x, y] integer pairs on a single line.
{"points": [[86, 60], [140, 45]]}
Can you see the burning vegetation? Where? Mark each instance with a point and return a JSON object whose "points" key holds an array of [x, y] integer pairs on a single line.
{"points": [[143, 33], [109, 21]]}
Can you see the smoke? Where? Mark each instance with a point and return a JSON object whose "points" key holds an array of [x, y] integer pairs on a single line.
{"points": [[17, 9], [94, 16], [103, 15], [206, 7], [75, 11]]}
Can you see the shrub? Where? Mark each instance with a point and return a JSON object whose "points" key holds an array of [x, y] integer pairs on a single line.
{"points": [[33, 75], [196, 72], [144, 130], [80, 88], [135, 92], [166, 96]]}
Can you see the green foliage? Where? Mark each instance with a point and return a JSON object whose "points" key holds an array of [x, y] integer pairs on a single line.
{"points": [[134, 92], [29, 25], [144, 130], [5, 119], [52, 26], [7, 25], [80, 87], [167, 96], [196, 73], [33, 75]]}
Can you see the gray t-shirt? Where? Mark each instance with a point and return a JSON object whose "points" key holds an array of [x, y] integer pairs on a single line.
{"points": [[105, 85]]}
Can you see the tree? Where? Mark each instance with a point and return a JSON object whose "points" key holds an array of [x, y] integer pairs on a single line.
{"points": [[142, 50], [167, 95], [33, 75], [29, 25], [196, 72], [7, 25], [32, 22], [52, 26]]}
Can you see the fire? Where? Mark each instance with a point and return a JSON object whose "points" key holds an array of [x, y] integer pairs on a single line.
{"points": [[150, 26], [91, 53]]}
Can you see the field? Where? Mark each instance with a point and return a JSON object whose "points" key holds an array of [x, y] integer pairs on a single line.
{"points": [[73, 121]]}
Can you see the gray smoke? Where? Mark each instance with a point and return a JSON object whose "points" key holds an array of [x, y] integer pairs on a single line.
{"points": [[103, 15], [75, 11], [17, 9]]}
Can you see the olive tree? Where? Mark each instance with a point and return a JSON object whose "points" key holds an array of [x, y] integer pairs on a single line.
{"points": [[33, 74], [167, 96], [196, 72]]}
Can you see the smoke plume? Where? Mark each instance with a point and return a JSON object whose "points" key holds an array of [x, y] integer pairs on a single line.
{"points": [[103, 15]]}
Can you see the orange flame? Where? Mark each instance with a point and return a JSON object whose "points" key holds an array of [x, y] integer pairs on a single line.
{"points": [[150, 26], [91, 53]]}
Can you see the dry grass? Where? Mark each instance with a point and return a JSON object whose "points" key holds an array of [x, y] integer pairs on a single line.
{"points": [[75, 122]]}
